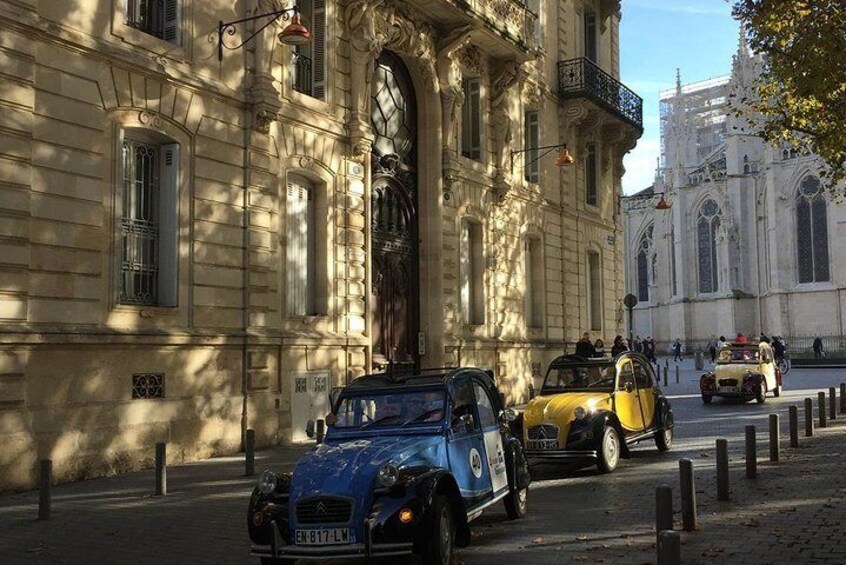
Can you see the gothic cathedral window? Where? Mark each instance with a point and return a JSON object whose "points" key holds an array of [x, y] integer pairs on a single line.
{"points": [[708, 223], [811, 232]]}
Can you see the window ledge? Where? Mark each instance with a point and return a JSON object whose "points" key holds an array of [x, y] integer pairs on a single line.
{"points": [[310, 102], [147, 311], [151, 43]]}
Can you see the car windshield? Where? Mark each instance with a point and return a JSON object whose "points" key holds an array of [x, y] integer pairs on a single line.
{"points": [[563, 379], [739, 355], [390, 408]]}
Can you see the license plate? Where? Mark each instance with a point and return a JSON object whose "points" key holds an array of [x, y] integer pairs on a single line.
{"points": [[326, 536], [543, 444], [726, 389]]}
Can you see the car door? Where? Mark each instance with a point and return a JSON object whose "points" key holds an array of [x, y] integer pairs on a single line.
{"points": [[466, 445], [494, 453], [768, 369], [626, 404], [645, 383]]}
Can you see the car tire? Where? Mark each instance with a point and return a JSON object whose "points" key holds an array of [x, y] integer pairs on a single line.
{"points": [[761, 394], [440, 540], [272, 561], [777, 391], [609, 450], [664, 439], [707, 398], [517, 503]]}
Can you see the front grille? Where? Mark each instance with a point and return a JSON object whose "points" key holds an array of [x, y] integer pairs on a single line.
{"points": [[545, 431], [324, 510], [728, 382]]}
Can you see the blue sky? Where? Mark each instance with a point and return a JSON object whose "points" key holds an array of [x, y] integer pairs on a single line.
{"points": [[657, 36]]}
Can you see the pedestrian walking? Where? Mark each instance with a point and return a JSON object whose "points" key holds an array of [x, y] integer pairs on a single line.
{"points": [[712, 348], [599, 348], [638, 344], [819, 353], [618, 346], [677, 350], [584, 348]]}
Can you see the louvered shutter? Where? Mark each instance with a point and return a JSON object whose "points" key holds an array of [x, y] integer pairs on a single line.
{"points": [[319, 49], [300, 255], [168, 244], [171, 29], [528, 297], [464, 273]]}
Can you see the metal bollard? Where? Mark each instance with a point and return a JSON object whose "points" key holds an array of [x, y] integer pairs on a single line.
{"points": [[722, 470], [666, 372], [161, 468], [774, 438], [663, 509], [821, 402], [687, 489], [793, 414], [669, 548], [45, 484], [842, 398], [321, 430], [751, 452], [250, 456], [832, 404], [809, 417], [677, 374]]}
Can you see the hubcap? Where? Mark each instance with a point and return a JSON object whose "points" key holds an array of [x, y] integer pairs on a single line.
{"points": [[522, 496], [611, 451]]}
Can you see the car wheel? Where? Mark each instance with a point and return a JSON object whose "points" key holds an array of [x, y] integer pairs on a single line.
{"points": [[517, 503], [664, 439], [761, 394], [609, 450], [706, 398], [272, 561], [440, 541]]}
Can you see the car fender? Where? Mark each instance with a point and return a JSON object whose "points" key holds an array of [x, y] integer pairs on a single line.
{"points": [[516, 465], [440, 481], [608, 418], [664, 414]]}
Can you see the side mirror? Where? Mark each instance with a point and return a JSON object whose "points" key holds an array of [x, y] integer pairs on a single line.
{"points": [[310, 429], [629, 387], [508, 415]]}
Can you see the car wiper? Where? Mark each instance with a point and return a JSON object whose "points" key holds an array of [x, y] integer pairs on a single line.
{"points": [[422, 416], [378, 421]]}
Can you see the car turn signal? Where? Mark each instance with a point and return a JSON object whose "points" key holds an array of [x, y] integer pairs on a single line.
{"points": [[406, 515]]}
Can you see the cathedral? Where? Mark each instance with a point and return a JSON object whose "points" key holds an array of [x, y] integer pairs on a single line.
{"points": [[214, 212], [745, 237]]}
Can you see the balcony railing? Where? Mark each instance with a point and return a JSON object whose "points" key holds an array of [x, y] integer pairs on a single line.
{"points": [[583, 78]]}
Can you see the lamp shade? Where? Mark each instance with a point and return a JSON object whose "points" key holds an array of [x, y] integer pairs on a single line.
{"points": [[295, 33], [564, 158], [663, 204]]}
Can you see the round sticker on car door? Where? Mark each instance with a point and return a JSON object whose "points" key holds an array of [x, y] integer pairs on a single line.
{"points": [[476, 463]]}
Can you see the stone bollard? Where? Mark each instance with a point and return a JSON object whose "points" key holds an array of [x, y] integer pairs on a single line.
{"points": [[821, 402], [250, 453], [809, 417], [321, 431], [669, 548], [794, 426], [663, 509], [774, 438], [45, 484], [723, 488], [666, 372], [842, 398], [161, 469], [687, 489], [832, 404], [751, 453], [677, 374]]}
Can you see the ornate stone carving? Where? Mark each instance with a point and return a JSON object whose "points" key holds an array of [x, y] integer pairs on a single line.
{"points": [[262, 120], [449, 76], [506, 76], [532, 96], [471, 59], [150, 119]]}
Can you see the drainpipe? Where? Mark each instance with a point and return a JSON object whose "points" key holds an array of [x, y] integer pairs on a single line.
{"points": [[245, 257]]}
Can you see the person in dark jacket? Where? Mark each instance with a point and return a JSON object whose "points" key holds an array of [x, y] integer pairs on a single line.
{"points": [[584, 348], [618, 347], [818, 348]]}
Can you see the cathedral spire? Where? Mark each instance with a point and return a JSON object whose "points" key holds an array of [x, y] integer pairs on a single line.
{"points": [[743, 45], [678, 82]]}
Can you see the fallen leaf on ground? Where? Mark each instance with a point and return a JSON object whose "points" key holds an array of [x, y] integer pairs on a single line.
{"points": [[537, 540]]}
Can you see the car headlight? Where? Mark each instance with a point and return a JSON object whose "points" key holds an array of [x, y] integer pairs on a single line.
{"points": [[580, 413], [267, 482], [388, 475]]}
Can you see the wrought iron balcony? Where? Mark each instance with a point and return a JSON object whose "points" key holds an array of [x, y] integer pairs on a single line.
{"points": [[582, 78]]}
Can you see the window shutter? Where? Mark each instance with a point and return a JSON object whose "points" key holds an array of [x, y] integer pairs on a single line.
{"points": [[464, 273], [476, 120], [300, 239], [531, 142], [168, 258], [528, 299], [318, 31], [310, 255], [171, 30], [591, 180]]}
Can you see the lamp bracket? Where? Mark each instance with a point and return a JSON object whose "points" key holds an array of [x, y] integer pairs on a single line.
{"points": [[547, 149], [231, 28]]}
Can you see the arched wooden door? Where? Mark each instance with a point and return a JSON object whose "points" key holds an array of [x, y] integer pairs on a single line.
{"points": [[395, 297]]}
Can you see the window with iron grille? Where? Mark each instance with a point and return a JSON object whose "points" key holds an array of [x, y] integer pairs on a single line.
{"points": [[591, 45], [148, 224], [309, 60], [531, 143], [148, 385], [471, 120], [591, 175], [159, 18], [645, 252], [812, 232]]}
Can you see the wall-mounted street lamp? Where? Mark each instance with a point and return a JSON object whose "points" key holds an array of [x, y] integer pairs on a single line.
{"points": [[564, 159], [295, 33], [663, 204]]}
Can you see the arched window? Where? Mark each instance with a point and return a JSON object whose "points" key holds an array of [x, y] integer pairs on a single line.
{"points": [[811, 232], [707, 225], [645, 252]]}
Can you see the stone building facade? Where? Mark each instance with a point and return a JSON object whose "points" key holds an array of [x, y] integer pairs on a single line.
{"points": [[192, 245], [750, 243]]}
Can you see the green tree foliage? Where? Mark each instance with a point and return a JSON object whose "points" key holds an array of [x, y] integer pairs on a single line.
{"points": [[801, 97]]}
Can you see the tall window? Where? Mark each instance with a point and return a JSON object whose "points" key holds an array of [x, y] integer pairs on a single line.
{"points": [[149, 223], [472, 274], [594, 291], [309, 76], [812, 232], [160, 18], [531, 138], [591, 37], [534, 7], [644, 263], [672, 254], [471, 120], [591, 175], [534, 303], [707, 224], [301, 257]]}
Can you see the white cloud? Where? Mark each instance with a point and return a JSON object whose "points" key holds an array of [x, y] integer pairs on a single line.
{"points": [[705, 7], [640, 165]]}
